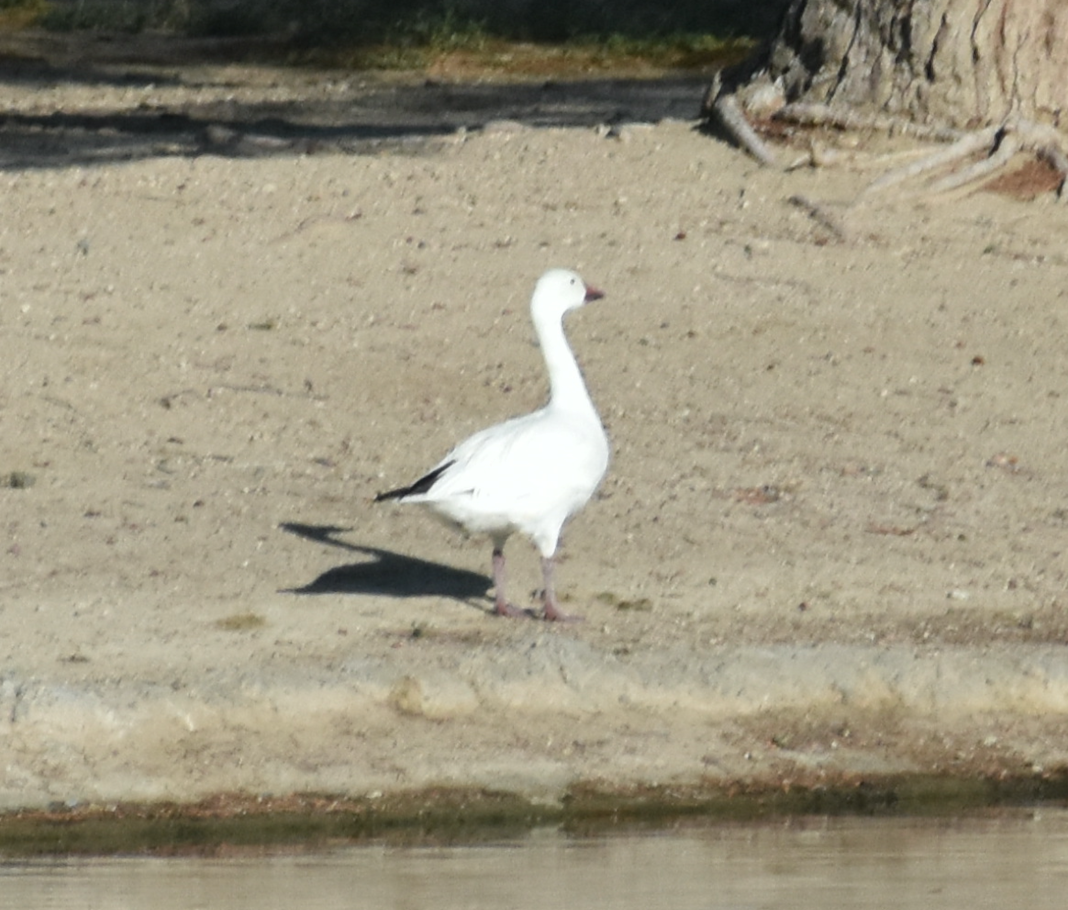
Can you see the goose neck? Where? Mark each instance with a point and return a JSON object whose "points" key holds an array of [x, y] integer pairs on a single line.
{"points": [[567, 389]]}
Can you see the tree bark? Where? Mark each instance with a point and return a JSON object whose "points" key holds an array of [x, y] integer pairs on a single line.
{"points": [[964, 63]]}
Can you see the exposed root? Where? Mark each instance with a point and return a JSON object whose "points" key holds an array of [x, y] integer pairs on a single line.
{"points": [[965, 146], [999, 143], [721, 108], [850, 120], [980, 170], [972, 159], [1057, 159]]}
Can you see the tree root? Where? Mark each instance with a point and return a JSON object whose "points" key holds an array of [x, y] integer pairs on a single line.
{"points": [[723, 111], [999, 144], [966, 145], [947, 171], [848, 120]]}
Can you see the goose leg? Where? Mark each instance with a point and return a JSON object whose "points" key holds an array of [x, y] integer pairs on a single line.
{"points": [[501, 605], [553, 613]]}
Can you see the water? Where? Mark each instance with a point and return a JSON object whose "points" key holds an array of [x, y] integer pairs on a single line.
{"points": [[1014, 860]]}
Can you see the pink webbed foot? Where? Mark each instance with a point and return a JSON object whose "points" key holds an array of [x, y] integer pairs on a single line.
{"points": [[553, 613], [503, 608]]}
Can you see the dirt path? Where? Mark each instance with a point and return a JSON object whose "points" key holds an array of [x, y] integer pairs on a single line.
{"points": [[832, 536]]}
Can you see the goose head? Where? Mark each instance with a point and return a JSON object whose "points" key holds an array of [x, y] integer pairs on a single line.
{"points": [[561, 290]]}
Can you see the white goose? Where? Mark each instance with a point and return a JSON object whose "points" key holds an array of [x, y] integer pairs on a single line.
{"points": [[531, 473]]}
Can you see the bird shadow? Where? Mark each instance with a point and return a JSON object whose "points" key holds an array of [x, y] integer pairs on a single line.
{"points": [[384, 572]]}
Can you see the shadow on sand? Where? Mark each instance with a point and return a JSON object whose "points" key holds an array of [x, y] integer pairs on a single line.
{"points": [[339, 112], [386, 573]]}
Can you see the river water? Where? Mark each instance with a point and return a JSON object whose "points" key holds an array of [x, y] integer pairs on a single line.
{"points": [[1008, 860]]}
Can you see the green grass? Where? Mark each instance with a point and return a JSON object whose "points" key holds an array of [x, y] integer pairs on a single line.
{"points": [[19, 14], [542, 36], [127, 16], [488, 55]]}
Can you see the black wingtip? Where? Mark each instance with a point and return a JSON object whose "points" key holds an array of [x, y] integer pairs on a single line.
{"points": [[422, 485]]}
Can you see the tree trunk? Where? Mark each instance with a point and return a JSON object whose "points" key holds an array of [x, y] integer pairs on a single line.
{"points": [[964, 63]]}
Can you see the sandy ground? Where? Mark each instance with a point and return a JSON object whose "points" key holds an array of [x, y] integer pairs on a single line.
{"points": [[831, 541]]}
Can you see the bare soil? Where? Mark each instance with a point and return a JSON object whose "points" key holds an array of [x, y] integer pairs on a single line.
{"points": [[237, 301]]}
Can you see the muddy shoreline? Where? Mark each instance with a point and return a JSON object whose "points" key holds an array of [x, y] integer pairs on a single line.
{"points": [[234, 825]]}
